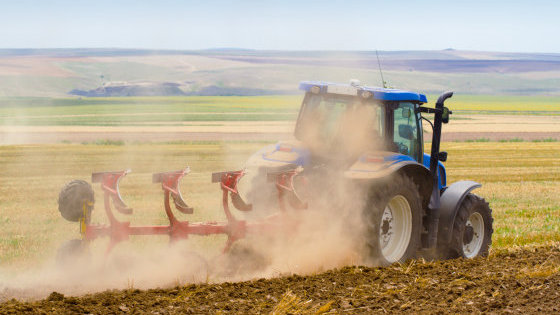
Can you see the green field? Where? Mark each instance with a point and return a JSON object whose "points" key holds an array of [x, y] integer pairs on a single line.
{"points": [[142, 110], [178, 110], [497, 104], [520, 180]]}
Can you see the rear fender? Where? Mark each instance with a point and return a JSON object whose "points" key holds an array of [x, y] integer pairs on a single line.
{"points": [[450, 202], [363, 170], [280, 154]]}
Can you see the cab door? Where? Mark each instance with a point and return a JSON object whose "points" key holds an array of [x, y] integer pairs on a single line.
{"points": [[407, 132]]}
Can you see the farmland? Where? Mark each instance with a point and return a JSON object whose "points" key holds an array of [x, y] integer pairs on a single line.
{"points": [[208, 118], [509, 144], [519, 180], [178, 110]]}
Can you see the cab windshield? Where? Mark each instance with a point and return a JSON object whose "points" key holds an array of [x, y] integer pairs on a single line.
{"points": [[347, 125]]}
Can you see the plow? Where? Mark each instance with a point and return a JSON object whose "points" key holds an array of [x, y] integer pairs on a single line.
{"points": [[365, 137], [76, 204]]}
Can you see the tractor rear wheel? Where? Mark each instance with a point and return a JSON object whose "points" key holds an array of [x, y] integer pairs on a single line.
{"points": [[393, 217], [472, 229], [75, 198]]}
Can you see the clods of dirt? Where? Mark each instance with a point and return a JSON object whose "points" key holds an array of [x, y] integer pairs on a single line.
{"points": [[519, 281]]}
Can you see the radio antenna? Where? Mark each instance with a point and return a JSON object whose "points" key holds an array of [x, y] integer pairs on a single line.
{"points": [[380, 72]]}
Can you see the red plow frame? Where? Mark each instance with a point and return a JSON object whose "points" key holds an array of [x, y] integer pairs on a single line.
{"points": [[233, 228]]}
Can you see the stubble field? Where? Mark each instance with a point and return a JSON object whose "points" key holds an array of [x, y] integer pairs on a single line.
{"points": [[520, 180]]}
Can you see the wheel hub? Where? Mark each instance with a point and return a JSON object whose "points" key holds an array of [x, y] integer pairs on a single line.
{"points": [[468, 235], [395, 229], [473, 235], [386, 227]]}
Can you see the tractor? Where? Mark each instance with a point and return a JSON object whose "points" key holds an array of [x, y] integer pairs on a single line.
{"points": [[372, 138]]}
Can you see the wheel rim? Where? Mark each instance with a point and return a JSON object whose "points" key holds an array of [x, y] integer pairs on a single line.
{"points": [[395, 229], [474, 235]]}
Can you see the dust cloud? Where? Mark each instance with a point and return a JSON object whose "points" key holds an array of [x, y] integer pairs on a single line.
{"points": [[328, 234]]}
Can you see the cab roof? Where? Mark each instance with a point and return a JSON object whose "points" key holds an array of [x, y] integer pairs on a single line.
{"points": [[382, 94]]}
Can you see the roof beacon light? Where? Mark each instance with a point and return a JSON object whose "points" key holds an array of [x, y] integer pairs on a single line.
{"points": [[355, 82]]}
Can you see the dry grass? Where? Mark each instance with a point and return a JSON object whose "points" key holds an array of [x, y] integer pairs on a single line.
{"points": [[520, 180], [31, 177], [290, 303]]}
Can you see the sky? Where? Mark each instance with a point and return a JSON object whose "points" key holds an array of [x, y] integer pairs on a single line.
{"points": [[511, 26]]}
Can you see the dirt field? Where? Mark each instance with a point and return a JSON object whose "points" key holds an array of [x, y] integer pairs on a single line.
{"points": [[519, 281]]}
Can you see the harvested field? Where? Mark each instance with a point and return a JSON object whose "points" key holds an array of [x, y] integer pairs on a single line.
{"points": [[520, 180], [522, 280], [464, 127], [164, 119], [135, 137], [498, 136]]}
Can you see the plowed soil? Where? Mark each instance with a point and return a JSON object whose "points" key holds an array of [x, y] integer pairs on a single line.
{"points": [[520, 281]]}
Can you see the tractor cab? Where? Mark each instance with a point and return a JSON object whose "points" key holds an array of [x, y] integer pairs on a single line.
{"points": [[343, 121]]}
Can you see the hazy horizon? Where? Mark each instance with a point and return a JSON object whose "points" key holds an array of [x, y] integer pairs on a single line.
{"points": [[116, 48], [497, 26]]}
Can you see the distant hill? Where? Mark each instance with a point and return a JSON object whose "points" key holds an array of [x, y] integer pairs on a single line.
{"points": [[168, 89], [138, 89], [230, 71]]}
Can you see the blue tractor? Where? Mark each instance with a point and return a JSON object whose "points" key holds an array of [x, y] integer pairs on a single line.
{"points": [[373, 137], [369, 139]]}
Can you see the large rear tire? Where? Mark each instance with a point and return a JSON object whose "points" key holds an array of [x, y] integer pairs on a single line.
{"points": [[72, 199], [393, 217], [472, 229]]}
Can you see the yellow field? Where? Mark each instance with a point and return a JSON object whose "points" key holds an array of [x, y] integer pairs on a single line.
{"points": [[520, 180], [522, 183]]}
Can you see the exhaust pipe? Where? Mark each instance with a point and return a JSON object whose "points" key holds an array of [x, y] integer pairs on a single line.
{"points": [[435, 198]]}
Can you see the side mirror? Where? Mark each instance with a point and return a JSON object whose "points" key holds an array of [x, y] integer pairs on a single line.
{"points": [[406, 132], [442, 156], [445, 115], [406, 113]]}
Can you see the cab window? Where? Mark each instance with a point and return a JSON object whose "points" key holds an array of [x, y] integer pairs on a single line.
{"points": [[340, 124], [406, 130]]}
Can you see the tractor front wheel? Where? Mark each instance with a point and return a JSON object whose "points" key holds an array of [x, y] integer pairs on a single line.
{"points": [[393, 218], [472, 229]]}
